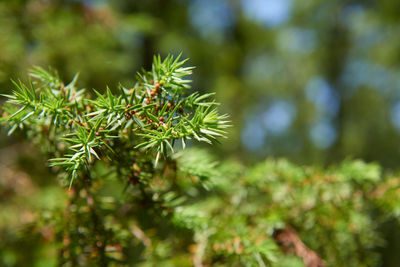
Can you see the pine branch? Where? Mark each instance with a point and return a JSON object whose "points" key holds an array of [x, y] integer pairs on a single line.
{"points": [[153, 115]]}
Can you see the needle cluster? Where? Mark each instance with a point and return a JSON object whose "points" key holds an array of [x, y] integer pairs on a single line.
{"points": [[149, 117]]}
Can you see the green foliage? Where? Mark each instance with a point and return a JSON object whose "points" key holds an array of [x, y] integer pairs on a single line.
{"points": [[131, 199], [151, 116], [333, 65], [337, 212]]}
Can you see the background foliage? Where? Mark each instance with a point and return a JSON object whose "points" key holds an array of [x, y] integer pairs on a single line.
{"points": [[313, 81]]}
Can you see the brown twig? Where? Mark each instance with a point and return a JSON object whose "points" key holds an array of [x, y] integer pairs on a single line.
{"points": [[291, 243]]}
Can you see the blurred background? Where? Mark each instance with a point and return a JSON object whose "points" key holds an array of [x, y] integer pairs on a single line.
{"points": [[314, 81]]}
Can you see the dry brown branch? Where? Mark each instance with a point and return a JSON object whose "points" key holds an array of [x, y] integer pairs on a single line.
{"points": [[291, 243]]}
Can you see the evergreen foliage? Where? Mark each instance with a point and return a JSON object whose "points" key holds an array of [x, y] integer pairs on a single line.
{"points": [[147, 118], [131, 199]]}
